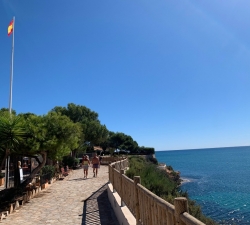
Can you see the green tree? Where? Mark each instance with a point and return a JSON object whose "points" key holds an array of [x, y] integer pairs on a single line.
{"points": [[93, 132], [129, 144], [77, 113], [12, 133], [6, 111], [51, 136], [122, 141]]}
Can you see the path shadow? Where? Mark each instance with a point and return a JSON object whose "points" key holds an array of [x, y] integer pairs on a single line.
{"points": [[97, 209], [77, 179]]}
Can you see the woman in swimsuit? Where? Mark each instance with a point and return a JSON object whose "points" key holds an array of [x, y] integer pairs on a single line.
{"points": [[85, 164]]}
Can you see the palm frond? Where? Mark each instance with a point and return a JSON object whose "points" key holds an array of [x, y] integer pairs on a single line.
{"points": [[12, 132]]}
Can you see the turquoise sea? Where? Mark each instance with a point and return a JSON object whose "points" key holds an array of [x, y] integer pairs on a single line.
{"points": [[218, 179]]}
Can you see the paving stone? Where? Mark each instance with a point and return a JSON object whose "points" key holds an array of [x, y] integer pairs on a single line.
{"points": [[71, 201]]}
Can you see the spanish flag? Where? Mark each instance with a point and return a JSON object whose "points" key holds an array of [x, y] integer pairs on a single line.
{"points": [[10, 28]]}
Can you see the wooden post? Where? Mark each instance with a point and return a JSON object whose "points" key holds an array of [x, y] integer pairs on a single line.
{"points": [[2, 216], [110, 172], [29, 195], [181, 206], [11, 208], [121, 194], [16, 204], [113, 178], [137, 180], [24, 197], [21, 202]]}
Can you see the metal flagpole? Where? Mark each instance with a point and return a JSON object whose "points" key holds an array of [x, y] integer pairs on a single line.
{"points": [[10, 102], [11, 67]]}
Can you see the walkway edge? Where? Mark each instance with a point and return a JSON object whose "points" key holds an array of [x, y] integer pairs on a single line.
{"points": [[123, 215]]}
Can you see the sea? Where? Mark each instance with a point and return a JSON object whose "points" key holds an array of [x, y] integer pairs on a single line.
{"points": [[218, 179]]}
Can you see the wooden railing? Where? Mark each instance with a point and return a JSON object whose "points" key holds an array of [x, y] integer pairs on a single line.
{"points": [[110, 159], [148, 208]]}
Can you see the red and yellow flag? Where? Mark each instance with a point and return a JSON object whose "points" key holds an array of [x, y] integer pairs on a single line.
{"points": [[10, 28]]}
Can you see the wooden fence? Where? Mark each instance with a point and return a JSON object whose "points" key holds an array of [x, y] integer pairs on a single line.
{"points": [[148, 208], [110, 159]]}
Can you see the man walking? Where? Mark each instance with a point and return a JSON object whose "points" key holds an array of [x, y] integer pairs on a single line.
{"points": [[96, 164]]}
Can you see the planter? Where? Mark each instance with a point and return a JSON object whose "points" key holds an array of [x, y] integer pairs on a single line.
{"points": [[52, 180], [1, 181], [45, 185]]}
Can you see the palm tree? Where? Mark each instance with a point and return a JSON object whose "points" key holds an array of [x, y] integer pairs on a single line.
{"points": [[12, 133]]}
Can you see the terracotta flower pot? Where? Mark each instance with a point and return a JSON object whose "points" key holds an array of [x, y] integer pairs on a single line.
{"points": [[1, 181]]}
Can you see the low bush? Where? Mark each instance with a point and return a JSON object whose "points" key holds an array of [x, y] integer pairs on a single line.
{"points": [[76, 161], [152, 178], [68, 161], [153, 160], [48, 170]]}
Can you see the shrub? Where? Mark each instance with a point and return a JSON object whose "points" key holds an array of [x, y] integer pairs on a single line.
{"points": [[48, 170], [68, 161], [153, 160], [152, 178], [76, 161], [146, 150]]}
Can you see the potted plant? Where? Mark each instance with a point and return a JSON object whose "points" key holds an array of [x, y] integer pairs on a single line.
{"points": [[1, 179]]}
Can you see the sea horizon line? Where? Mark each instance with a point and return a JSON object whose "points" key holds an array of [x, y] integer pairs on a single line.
{"points": [[206, 148]]}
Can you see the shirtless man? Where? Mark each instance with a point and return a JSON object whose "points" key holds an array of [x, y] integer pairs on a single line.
{"points": [[96, 164]]}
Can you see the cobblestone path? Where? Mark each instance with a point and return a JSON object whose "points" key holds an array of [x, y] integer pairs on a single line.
{"points": [[72, 201]]}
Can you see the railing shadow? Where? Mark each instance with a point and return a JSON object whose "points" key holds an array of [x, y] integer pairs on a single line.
{"points": [[97, 209]]}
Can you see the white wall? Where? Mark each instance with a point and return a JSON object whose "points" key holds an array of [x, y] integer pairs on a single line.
{"points": [[123, 215]]}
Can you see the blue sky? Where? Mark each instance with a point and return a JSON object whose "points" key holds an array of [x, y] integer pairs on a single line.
{"points": [[172, 74]]}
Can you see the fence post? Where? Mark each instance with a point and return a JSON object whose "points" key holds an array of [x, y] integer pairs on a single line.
{"points": [[113, 178], [137, 180], [181, 206], [110, 174], [121, 195]]}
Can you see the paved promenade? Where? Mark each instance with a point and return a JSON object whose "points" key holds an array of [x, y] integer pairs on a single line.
{"points": [[72, 201]]}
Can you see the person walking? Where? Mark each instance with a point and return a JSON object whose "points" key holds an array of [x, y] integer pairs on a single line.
{"points": [[85, 165], [96, 164]]}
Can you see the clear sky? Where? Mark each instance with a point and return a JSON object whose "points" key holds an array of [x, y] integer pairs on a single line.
{"points": [[172, 74]]}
